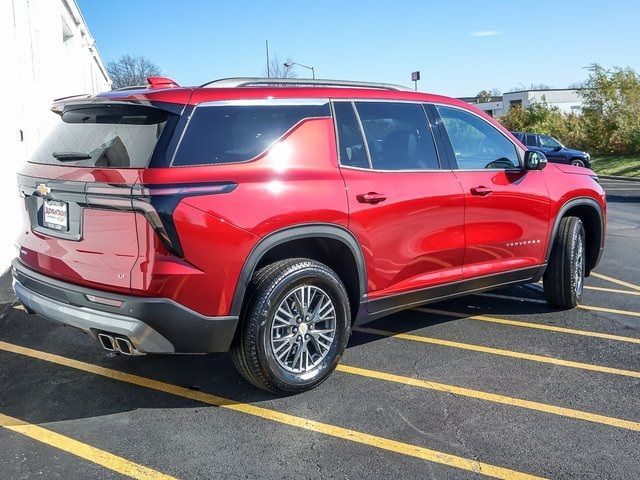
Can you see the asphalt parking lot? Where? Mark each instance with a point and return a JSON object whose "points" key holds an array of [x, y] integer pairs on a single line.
{"points": [[487, 385]]}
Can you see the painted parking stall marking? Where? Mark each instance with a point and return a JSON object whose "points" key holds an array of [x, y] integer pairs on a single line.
{"points": [[280, 417], [538, 326], [82, 450], [492, 397], [497, 351]]}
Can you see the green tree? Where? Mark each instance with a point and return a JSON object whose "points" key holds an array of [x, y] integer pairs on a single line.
{"points": [[612, 109], [484, 96]]}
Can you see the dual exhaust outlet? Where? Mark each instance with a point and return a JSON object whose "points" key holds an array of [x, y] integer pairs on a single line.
{"points": [[117, 343]]}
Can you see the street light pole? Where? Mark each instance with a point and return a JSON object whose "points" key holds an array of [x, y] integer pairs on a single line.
{"points": [[313, 70]]}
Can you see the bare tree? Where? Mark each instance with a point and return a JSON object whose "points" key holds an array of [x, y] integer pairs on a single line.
{"points": [[277, 68], [131, 70], [539, 86]]}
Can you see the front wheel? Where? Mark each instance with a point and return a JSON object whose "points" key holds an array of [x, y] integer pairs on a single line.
{"points": [[564, 277], [295, 326]]}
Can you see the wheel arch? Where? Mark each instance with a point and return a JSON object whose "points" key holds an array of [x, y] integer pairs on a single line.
{"points": [[590, 212], [331, 244]]}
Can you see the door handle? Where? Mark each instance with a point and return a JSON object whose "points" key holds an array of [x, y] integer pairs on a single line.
{"points": [[371, 197], [481, 191]]}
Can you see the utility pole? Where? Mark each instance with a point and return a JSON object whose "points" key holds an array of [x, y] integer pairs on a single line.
{"points": [[266, 43]]}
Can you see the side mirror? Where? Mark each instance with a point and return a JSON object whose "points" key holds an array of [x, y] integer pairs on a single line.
{"points": [[534, 160], [558, 148]]}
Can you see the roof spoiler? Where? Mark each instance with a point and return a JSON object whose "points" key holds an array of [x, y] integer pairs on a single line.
{"points": [[161, 82]]}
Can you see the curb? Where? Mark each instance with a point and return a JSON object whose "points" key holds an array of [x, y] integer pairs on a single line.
{"points": [[614, 177]]}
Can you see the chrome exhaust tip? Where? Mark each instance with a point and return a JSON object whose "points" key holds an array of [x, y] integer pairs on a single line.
{"points": [[107, 342], [123, 345]]}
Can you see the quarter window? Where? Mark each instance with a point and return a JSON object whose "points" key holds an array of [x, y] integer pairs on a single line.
{"points": [[237, 133], [531, 141], [477, 144], [352, 150], [398, 136]]}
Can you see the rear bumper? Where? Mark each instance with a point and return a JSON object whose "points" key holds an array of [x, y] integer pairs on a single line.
{"points": [[153, 325]]}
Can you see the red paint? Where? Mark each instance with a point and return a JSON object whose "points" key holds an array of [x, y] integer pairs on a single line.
{"points": [[416, 229]]}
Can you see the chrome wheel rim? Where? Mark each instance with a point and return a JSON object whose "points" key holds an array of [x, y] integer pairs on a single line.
{"points": [[577, 163], [303, 329], [579, 267]]}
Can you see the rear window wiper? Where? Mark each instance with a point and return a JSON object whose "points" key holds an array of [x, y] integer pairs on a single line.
{"points": [[71, 156]]}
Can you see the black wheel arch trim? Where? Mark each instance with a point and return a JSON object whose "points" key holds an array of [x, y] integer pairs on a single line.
{"points": [[576, 202], [296, 232]]}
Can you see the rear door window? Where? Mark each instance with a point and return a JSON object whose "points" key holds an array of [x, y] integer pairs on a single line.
{"points": [[218, 134], [398, 136], [106, 136]]}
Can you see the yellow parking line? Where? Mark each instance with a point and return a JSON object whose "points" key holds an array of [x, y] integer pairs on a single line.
{"points": [[82, 450], [280, 417], [611, 290], [615, 280], [492, 397], [592, 308], [608, 310], [538, 326], [498, 351]]}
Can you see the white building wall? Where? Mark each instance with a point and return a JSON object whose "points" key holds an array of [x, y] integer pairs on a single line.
{"points": [[568, 101], [48, 52]]}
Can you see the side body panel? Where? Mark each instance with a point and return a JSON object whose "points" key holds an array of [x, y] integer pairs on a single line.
{"points": [[295, 182], [413, 239], [507, 229]]}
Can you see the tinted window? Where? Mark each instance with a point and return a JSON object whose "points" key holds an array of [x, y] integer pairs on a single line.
{"points": [[237, 133], [398, 136], [531, 141], [352, 150], [477, 144], [549, 142], [118, 136]]}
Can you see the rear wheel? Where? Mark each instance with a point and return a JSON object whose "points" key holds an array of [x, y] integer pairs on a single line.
{"points": [[295, 326], [577, 162], [564, 277]]}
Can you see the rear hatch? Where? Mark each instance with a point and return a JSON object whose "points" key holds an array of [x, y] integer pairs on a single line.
{"points": [[78, 188]]}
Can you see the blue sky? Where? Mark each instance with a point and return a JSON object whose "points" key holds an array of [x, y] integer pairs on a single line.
{"points": [[459, 47]]}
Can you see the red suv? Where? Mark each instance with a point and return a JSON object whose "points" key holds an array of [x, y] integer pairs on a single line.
{"points": [[268, 216]]}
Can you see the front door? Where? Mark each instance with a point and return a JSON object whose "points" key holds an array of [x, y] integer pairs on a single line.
{"points": [[406, 212], [506, 207]]}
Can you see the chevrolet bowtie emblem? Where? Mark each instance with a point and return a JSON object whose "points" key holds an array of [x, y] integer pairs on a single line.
{"points": [[43, 190]]}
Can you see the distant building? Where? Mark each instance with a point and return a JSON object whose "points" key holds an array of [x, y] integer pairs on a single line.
{"points": [[568, 100], [47, 52]]}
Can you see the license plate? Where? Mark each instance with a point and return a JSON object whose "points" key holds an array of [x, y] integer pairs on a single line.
{"points": [[56, 215]]}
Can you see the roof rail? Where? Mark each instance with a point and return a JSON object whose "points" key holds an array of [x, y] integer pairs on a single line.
{"points": [[296, 82]]}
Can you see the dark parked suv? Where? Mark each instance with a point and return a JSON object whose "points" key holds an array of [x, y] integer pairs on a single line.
{"points": [[267, 217], [553, 149]]}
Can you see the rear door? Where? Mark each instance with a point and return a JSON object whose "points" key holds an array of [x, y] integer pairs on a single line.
{"points": [[80, 224], [506, 207], [405, 210]]}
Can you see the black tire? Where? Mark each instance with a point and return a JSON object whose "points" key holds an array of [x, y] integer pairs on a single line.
{"points": [[564, 277], [252, 351], [578, 162]]}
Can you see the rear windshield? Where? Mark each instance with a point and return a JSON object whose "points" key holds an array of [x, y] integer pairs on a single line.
{"points": [[116, 136], [229, 134]]}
